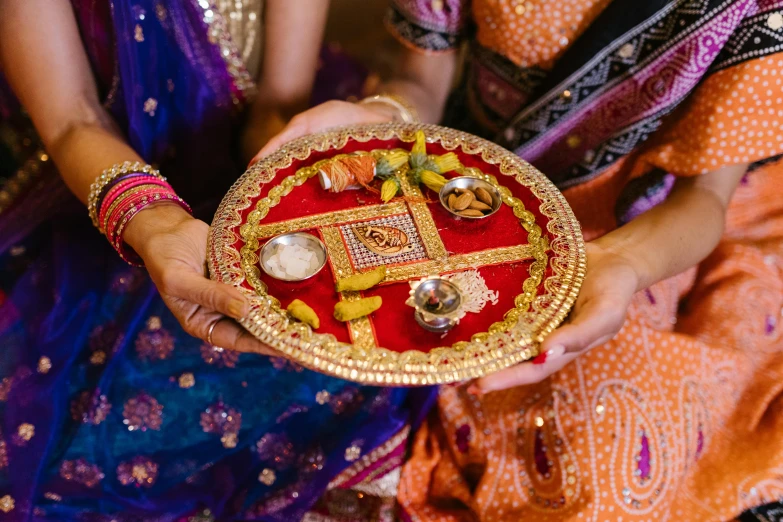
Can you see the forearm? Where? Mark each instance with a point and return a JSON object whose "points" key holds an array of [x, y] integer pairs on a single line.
{"points": [[424, 81], [84, 150], [52, 79], [293, 35], [680, 232]]}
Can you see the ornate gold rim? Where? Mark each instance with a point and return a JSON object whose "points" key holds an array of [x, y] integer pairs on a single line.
{"points": [[380, 366]]}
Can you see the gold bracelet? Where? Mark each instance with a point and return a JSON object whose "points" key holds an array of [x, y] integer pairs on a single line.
{"points": [[109, 175], [406, 111]]}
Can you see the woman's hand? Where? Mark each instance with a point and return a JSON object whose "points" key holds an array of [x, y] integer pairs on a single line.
{"points": [[597, 316], [173, 246], [325, 116]]}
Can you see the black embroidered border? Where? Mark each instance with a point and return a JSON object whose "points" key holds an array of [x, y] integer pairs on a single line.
{"points": [[619, 145], [418, 36], [526, 79], [646, 42], [610, 66], [752, 39], [766, 513], [741, 47]]}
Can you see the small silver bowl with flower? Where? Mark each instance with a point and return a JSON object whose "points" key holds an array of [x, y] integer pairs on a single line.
{"points": [[437, 303]]}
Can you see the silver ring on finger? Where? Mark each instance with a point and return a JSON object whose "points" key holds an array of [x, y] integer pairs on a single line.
{"points": [[212, 329]]}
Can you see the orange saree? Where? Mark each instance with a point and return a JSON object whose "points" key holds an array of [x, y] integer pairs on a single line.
{"points": [[677, 418]]}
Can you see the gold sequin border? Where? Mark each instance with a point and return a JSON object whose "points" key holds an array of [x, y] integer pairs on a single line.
{"points": [[328, 219], [219, 35], [370, 459], [478, 357]]}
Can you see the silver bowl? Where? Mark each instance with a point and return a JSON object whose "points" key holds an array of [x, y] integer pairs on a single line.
{"points": [[466, 182], [304, 239], [437, 302]]}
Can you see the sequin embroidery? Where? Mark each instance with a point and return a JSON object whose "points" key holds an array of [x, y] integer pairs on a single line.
{"points": [[155, 342], [223, 420], [81, 472], [90, 407], [139, 471], [142, 412], [220, 357], [276, 449]]}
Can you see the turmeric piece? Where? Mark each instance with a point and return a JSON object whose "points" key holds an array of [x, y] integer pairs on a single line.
{"points": [[362, 281], [349, 310], [301, 312]]}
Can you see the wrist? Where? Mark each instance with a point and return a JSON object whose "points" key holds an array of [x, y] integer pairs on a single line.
{"points": [[627, 266], [394, 106], [384, 110], [153, 219]]}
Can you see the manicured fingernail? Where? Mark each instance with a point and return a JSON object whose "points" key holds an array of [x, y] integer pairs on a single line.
{"points": [[539, 359], [554, 353], [236, 309], [475, 390]]}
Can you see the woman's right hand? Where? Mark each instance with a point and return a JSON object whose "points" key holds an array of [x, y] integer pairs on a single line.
{"points": [[327, 115], [173, 246]]}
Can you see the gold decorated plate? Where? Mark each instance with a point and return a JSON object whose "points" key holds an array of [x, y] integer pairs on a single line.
{"points": [[528, 256]]}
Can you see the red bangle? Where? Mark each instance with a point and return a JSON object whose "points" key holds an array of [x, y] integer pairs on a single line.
{"points": [[122, 203], [124, 199], [122, 187], [125, 252]]}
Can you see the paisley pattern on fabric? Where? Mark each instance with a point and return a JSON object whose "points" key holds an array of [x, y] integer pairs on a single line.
{"points": [[674, 418]]}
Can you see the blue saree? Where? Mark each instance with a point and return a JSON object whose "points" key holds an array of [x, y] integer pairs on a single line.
{"points": [[108, 409]]}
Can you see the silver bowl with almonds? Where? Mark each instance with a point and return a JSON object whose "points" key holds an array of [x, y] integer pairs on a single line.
{"points": [[470, 198]]}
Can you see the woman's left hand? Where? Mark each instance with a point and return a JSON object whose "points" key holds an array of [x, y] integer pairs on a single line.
{"points": [[597, 316]]}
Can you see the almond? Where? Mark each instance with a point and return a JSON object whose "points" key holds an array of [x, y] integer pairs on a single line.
{"points": [[464, 201], [471, 213], [478, 205], [484, 196], [452, 199]]}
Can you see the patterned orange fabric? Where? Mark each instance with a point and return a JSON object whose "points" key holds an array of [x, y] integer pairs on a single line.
{"points": [[678, 417], [533, 32], [733, 117]]}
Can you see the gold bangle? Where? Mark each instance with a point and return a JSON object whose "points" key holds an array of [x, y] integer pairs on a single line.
{"points": [[109, 175], [405, 110]]}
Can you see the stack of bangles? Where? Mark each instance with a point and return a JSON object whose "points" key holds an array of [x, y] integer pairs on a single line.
{"points": [[119, 194]]}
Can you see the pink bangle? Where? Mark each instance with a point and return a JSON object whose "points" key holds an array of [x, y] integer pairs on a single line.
{"points": [[117, 181], [121, 188], [115, 210], [123, 199], [126, 253]]}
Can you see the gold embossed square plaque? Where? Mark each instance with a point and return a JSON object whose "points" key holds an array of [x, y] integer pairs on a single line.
{"points": [[531, 252]]}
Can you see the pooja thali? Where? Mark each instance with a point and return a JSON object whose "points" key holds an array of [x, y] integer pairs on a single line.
{"points": [[399, 254]]}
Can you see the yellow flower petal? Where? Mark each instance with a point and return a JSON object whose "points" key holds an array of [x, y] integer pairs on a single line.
{"points": [[447, 163], [389, 190]]}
